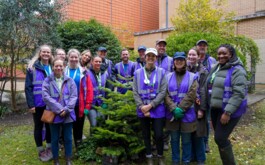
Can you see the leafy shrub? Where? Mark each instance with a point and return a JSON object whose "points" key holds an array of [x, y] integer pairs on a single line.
{"points": [[89, 34], [185, 41], [3, 110], [87, 150]]}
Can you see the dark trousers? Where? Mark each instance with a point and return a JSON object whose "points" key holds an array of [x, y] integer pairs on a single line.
{"points": [[67, 136], [38, 127], [78, 126], [222, 132], [157, 127]]}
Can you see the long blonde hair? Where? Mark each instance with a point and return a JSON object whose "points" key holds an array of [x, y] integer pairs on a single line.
{"points": [[37, 56], [73, 51]]}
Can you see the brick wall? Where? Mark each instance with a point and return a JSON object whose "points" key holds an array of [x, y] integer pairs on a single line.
{"points": [[253, 28], [125, 16], [245, 7]]}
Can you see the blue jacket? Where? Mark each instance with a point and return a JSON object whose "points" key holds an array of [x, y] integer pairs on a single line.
{"points": [[34, 101]]}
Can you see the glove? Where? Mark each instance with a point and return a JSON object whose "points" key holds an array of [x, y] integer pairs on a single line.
{"points": [[86, 112], [104, 106], [178, 113]]}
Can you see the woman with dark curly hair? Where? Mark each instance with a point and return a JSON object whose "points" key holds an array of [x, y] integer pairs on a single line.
{"points": [[225, 92]]}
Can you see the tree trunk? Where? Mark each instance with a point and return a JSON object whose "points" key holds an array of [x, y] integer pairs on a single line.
{"points": [[12, 78]]}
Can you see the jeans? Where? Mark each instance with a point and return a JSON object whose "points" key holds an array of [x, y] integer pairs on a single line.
{"points": [[198, 148], [222, 131], [157, 127], [78, 126], [92, 116], [67, 135], [38, 127], [175, 146]]}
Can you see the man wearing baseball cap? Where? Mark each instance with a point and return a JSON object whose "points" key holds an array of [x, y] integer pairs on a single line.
{"points": [[149, 88], [207, 61], [140, 61], [106, 63], [163, 60]]}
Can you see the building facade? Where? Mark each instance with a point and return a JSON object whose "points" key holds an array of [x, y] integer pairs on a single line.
{"points": [[124, 17], [250, 15]]}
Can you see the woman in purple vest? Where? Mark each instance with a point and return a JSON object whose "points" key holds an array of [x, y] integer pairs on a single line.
{"points": [[225, 93], [198, 145], [99, 81], [181, 115], [39, 68], [60, 95], [149, 88]]}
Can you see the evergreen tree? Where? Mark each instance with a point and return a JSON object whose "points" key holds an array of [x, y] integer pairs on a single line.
{"points": [[118, 135]]}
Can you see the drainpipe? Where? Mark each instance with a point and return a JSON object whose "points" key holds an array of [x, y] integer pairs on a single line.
{"points": [[166, 13]]}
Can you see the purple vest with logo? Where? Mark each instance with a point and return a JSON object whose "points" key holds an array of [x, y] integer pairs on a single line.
{"points": [[148, 92], [96, 88], [228, 94], [55, 94], [178, 93], [128, 74], [38, 78], [166, 64]]}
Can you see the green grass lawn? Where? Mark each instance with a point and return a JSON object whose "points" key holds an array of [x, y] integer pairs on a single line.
{"points": [[17, 145]]}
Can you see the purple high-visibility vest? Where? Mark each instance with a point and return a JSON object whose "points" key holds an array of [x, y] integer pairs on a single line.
{"points": [[137, 65], [210, 61], [148, 92], [178, 93], [38, 78], [55, 94], [166, 64], [96, 88], [128, 74], [228, 94]]}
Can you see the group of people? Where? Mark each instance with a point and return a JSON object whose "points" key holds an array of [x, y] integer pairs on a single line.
{"points": [[175, 97]]}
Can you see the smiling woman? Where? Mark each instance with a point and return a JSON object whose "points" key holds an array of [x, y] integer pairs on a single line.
{"points": [[60, 95], [225, 91], [39, 68]]}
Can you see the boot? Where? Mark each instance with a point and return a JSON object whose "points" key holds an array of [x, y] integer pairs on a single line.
{"points": [[68, 161], [77, 144], [227, 155], [56, 161]]}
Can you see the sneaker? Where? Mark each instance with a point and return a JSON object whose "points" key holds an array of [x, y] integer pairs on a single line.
{"points": [[83, 137], [200, 163], [43, 156], [49, 153], [166, 147]]}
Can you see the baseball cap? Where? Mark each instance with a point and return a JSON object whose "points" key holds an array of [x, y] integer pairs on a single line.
{"points": [[161, 40], [179, 55], [102, 48], [202, 41], [151, 50], [142, 48]]}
